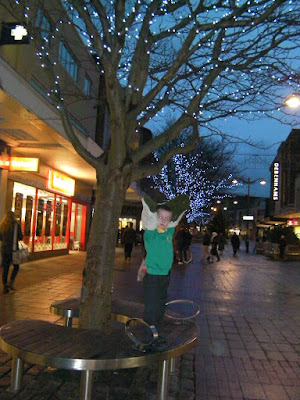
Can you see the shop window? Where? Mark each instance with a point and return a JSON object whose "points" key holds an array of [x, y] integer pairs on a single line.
{"points": [[44, 221], [77, 227], [23, 207], [46, 218], [61, 220]]}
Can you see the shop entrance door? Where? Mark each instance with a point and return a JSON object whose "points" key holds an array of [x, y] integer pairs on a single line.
{"points": [[77, 227]]}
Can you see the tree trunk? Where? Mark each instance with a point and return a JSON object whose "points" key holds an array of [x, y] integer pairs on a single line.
{"points": [[95, 307]]}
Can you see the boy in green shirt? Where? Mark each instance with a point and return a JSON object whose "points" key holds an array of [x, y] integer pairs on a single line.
{"points": [[158, 238]]}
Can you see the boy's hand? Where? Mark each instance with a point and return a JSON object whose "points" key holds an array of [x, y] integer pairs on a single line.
{"points": [[173, 224]]}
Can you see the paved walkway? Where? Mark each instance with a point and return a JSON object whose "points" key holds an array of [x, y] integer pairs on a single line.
{"points": [[249, 329]]}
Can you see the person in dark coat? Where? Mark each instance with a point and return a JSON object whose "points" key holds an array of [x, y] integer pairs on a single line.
{"points": [[246, 237], [205, 246], [235, 242], [282, 246], [183, 240], [129, 236], [214, 246], [179, 243], [7, 227], [221, 244]]}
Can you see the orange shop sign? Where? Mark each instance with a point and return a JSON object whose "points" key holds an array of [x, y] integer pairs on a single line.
{"points": [[19, 163], [61, 183], [24, 164]]}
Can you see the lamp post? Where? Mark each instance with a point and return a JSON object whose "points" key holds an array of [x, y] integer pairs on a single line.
{"points": [[293, 101], [249, 183]]}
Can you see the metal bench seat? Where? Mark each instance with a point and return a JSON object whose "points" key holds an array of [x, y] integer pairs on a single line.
{"points": [[88, 350], [121, 310]]}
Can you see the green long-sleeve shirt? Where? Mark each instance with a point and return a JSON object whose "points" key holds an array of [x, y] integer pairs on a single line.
{"points": [[159, 247]]}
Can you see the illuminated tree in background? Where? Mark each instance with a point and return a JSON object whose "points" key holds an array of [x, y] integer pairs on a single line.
{"points": [[200, 60], [204, 174]]}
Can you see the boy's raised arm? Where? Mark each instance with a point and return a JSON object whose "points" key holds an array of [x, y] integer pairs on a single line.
{"points": [[149, 218]]}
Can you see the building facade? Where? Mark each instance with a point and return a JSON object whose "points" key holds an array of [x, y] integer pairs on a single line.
{"points": [[285, 186], [42, 177]]}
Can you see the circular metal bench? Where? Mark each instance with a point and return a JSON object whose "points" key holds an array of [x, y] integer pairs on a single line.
{"points": [[88, 350], [121, 310]]}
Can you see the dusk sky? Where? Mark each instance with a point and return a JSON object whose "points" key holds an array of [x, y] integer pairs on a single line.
{"points": [[255, 162]]}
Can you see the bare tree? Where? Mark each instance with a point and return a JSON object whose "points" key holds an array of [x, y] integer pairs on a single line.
{"points": [[201, 60]]}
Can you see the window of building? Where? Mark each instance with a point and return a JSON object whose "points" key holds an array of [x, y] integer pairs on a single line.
{"points": [[87, 86], [44, 218], [68, 61], [61, 219], [43, 23], [78, 226], [23, 205], [44, 221]]}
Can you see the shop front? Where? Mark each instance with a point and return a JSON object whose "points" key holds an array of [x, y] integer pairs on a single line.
{"points": [[52, 223]]}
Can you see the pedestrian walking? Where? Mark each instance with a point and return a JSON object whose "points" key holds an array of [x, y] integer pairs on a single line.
{"points": [[246, 238], [214, 246], [221, 243], [129, 236], [183, 240], [7, 227], [235, 242], [205, 246], [282, 246]]}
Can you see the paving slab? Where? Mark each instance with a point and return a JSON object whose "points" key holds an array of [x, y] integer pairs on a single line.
{"points": [[249, 329]]}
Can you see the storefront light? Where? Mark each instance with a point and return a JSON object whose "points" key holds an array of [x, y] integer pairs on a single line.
{"points": [[293, 222], [25, 164], [61, 183]]}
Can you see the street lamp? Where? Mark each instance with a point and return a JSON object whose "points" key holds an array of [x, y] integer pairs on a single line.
{"points": [[262, 181], [293, 101]]}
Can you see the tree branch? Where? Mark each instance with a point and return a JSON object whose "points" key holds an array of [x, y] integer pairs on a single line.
{"points": [[154, 169]]}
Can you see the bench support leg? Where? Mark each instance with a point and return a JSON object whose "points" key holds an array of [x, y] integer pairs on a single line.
{"points": [[163, 380], [86, 385], [68, 321], [16, 374]]}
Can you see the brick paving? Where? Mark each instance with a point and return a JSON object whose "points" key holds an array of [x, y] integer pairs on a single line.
{"points": [[249, 329]]}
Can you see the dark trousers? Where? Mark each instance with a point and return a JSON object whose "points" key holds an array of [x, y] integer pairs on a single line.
{"points": [[214, 252], [6, 261], [182, 252], [128, 249], [247, 246], [155, 298]]}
